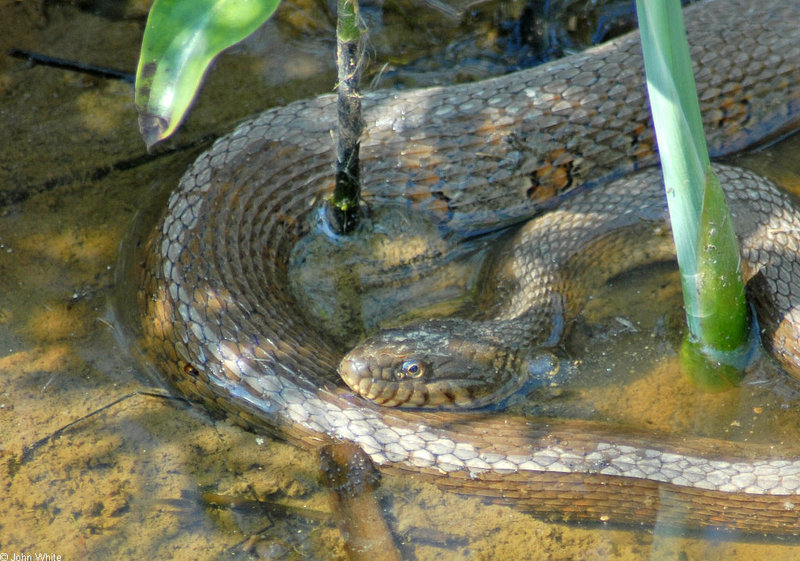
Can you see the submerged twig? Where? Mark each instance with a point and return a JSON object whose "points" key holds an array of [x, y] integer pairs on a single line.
{"points": [[29, 450], [74, 65], [352, 478]]}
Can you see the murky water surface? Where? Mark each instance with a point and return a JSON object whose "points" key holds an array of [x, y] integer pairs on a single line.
{"points": [[147, 477]]}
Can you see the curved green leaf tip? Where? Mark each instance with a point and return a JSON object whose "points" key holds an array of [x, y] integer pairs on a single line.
{"points": [[181, 39]]}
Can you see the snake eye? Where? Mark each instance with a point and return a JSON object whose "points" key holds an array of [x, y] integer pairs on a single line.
{"points": [[412, 369]]}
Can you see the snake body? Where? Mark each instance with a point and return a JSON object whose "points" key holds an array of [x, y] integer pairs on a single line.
{"points": [[218, 318], [543, 277]]}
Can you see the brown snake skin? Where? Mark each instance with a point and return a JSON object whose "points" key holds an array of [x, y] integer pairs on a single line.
{"points": [[218, 317], [544, 276]]}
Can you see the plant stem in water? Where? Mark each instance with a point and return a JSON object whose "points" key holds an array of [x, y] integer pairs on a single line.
{"points": [[344, 204]]}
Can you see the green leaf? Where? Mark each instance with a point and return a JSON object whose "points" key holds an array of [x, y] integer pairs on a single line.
{"points": [[347, 29], [181, 39], [716, 357], [722, 307], [708, 373]]}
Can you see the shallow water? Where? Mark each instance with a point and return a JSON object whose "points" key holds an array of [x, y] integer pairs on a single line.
{"points": [[142, 477]]}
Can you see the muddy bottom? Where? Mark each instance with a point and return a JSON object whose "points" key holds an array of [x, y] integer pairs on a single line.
{"points": [[99, 462]]}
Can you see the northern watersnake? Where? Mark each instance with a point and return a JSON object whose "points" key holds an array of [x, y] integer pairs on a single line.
{"points": [[219, 320]]}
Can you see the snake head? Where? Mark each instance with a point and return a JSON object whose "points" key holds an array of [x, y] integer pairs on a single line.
{"points": [[437, 364]]}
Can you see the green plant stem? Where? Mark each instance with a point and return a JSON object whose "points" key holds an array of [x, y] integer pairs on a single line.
{"points": [[719, 335], [347, 192]]}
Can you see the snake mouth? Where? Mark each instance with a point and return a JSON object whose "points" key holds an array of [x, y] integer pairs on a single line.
{"points": [[353, 371], [360, 377], [376, 384]]}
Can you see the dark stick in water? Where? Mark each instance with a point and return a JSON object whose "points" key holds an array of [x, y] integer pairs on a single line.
{"points": [[350, 475]]}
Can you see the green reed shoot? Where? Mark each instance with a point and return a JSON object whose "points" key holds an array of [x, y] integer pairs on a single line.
{"points": [[719, 337]]}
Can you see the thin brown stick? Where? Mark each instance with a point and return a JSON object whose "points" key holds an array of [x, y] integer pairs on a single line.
{"points": [[347, 192]]}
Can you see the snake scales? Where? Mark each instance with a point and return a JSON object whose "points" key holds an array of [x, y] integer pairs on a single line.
{"points": [[545, 274], [218, 318]]}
